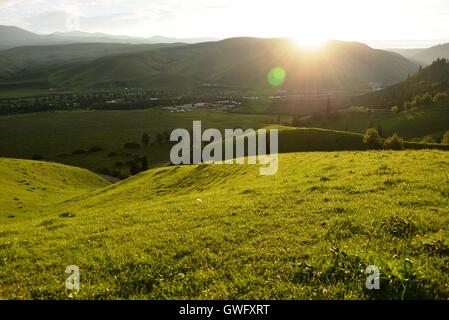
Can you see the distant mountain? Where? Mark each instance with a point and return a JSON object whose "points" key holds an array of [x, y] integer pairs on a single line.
{"points": [[161, 39], [11, 37], [238, 62], [408, 53], [424, 56], [429, 55], [22, 59]]}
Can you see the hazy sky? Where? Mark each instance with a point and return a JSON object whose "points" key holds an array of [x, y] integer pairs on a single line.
{"points": [[381, 23]]}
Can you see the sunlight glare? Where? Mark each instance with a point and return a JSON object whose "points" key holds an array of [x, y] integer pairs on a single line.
{"points": [[310, 44]]}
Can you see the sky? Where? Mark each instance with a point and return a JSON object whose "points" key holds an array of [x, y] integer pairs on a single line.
{"points": [[380, 23]]}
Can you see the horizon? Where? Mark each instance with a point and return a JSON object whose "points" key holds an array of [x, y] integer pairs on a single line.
{"points": [[399, 25], [375, 44]]}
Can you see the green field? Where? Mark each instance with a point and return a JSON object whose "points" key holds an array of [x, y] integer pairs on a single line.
{"points": [[414, 124], [223, 231], [55, 135]]}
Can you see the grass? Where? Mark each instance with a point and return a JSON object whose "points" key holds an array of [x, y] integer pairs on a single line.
{"points": [[55, 135], [30, 188], [224, 232], [415, 124]]}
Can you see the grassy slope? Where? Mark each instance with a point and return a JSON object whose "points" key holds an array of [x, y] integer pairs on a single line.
{"points": [[52, 134], [226, 232], [30, 188]]}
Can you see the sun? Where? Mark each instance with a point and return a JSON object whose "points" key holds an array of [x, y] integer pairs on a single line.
{"points": [[310, 43]]}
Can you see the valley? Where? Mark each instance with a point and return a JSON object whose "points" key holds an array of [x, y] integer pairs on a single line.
{"points": [[87, 178]]}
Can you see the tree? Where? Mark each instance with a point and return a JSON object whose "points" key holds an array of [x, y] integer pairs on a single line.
{"points": [[428, 139], [427, 99], [166, 135], [394, 142], [440, 97], [134, 168], [159, 138], [372, 139], [145, 139], [445, 139], [144, 163], [380, 130], [408, 105]]}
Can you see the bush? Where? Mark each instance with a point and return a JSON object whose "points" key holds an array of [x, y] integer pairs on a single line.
{"points": [[395, 109], [131, 145], [440, 97], [145, 139], [408, 105], [445, 139], [372, 139], [428, 139], [394, 142], [422, 101], [79, 151]]}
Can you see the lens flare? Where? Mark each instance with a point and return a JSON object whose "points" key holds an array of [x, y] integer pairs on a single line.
{"points": [[276, 76]]}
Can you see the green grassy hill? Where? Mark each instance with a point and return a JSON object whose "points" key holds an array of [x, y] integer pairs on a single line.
{"points": [[216, 231], [30, 188]]}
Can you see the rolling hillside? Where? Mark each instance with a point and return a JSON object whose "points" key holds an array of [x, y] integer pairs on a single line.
{"points": [[30, 188], [224, 232], [237, 62], [432, 79]]}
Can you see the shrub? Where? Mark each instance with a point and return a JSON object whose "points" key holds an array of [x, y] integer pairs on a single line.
{"points": [[408, 105], [422, 101], [445, 139], [427, 99], [394, 142], [440, 97], [395, 109], [428, 139], [372, 139], [145, 139]]}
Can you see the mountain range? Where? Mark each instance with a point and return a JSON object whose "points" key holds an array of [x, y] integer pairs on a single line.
{"points": [[12, 37], [237, 62], [425, 56]]}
